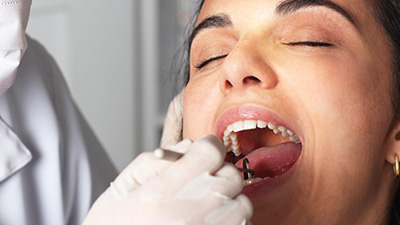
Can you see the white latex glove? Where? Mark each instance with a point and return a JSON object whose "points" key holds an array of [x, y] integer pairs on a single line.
{"points": [[13, 20], [172, 132], [199, 188]]}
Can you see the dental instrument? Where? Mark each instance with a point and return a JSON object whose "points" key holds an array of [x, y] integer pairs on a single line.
{"points": [[173, 156], [246, 166]]}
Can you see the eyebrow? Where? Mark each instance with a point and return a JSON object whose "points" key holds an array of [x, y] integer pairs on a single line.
{"points": [[291, 6], [215, 21]]}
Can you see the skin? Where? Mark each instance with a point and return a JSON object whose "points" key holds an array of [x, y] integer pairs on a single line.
{"points": [[336, 98]]}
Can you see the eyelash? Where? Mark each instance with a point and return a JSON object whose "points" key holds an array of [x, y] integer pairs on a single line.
{"points": [[207, 61], [310, 44]]}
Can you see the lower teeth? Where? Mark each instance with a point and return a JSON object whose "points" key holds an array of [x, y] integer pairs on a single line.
{"points": [[253, 180]]}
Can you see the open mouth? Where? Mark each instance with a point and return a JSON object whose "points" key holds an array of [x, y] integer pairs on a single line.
{"points": [[271, 150]]}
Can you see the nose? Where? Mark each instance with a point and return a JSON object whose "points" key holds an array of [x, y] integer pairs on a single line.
{"points": [[245, 67]]}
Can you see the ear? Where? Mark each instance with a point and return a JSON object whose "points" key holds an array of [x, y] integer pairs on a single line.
{"points": [[393, 147]]}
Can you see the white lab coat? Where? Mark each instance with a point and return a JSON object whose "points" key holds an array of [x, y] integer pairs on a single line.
{"points": [[52, 167]]}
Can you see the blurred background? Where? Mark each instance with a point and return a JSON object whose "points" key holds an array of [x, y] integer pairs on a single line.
{"points": [[116, 57]]}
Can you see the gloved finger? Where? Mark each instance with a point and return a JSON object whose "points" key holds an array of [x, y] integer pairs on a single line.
{"points": [[126, 180], [211, 189], [230, 181], [205, 155], [225, 184], [144, 168], [235, 211], [182, 147]]}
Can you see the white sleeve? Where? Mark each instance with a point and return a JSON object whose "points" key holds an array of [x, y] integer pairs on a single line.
{"points": [[69, 168]]}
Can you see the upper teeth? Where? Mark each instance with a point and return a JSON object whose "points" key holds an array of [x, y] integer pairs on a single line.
{"points": [[230, 134]]}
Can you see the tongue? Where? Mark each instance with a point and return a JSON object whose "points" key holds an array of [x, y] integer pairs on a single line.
{"points": [[272, 161]]}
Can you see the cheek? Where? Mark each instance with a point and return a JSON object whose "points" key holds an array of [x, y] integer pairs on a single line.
{"points": [[354, 96], [199, 108], [351, 111]]}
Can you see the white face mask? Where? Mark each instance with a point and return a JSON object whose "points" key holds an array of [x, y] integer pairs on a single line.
{"points": [[14, 16]]}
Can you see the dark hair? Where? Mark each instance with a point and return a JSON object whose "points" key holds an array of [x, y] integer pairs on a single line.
{"points": [[388, 14], [188, 44]]}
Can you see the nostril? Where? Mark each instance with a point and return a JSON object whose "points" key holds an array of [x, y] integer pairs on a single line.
{"points": [[228, 84], [251, 80]]}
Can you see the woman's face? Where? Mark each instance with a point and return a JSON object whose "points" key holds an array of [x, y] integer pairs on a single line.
{"points": [[321, 71]]}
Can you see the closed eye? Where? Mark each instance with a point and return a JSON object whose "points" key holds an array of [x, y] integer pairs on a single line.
{"points": [[310, 44], [210, 60]]}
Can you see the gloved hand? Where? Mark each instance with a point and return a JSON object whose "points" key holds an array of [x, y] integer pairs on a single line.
{"points": [[172, 132], [199, 188]]}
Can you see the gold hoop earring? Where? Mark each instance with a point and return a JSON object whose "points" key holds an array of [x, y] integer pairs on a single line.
{"points": [[396, 166]]}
